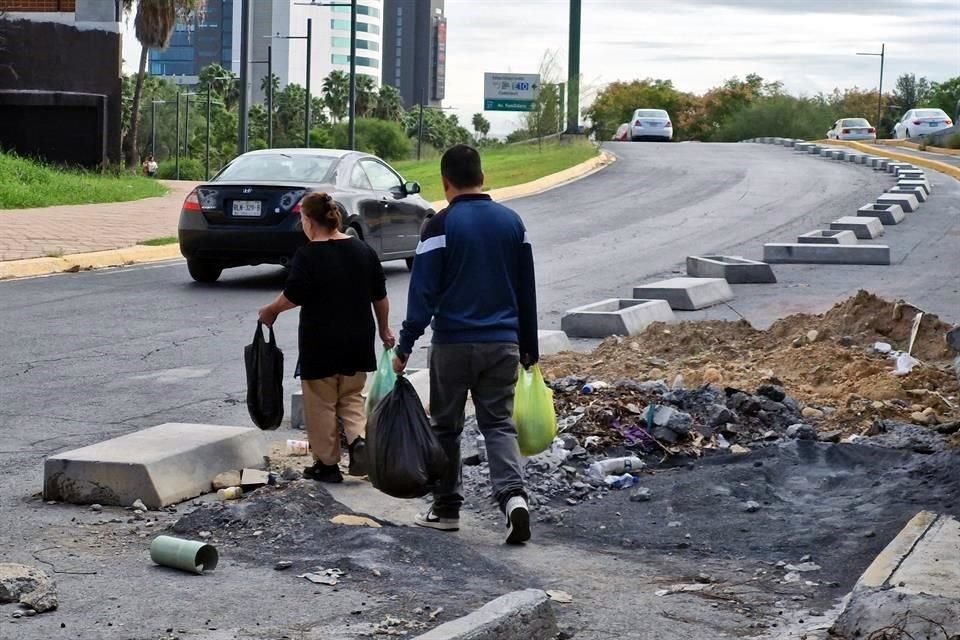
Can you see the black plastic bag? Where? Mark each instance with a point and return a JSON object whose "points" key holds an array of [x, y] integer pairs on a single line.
{"points": [[405, 457], [264, 362]]}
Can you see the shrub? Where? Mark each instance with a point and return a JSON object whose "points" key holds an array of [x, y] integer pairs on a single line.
{"points": [[953, 142], [777, 116], [380, 137], [190, 169]]}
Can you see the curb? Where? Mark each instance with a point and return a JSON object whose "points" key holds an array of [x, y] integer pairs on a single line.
{"points": [[520, 615], [34, 267], [906, 144], [942, 167]]}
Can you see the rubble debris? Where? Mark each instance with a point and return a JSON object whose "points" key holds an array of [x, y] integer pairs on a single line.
{"points": [[138, 504], [253, 479], [801, 431], [226, 480], [751, 506], [355, 521], [282, 565], [561, 597], [29, 586]]}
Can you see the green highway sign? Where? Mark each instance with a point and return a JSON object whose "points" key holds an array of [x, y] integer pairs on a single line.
{"points": [[509, 105]]}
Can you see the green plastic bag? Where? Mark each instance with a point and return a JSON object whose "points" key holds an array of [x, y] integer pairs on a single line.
{"points": [[533, 412], [383, 381]]}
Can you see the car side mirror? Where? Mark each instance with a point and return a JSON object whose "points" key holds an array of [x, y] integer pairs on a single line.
{"points": [[411, 188]]}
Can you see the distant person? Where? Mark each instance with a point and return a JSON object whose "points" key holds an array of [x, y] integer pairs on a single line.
{"points": [[150, 167], [473, 277], [334, 279]]}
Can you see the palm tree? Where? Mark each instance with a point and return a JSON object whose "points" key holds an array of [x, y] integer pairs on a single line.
{"points": [[223, 82], [481, 125], [366, 95], [265, 83], [335, 90], [389, 104], [154, 24]]}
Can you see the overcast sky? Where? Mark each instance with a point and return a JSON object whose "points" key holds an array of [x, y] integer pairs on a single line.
{"points": [[809, 45]]}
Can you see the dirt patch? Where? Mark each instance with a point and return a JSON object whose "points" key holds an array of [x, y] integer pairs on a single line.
{"points": [[823, 361]]}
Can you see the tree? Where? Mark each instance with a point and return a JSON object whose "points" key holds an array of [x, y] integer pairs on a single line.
{"points": [[366, 95], [910, 92], [336, 93], [617, 101], [222, 82], [945, 95], [480, 125], [379, 137], [266, 82], [389, 104], [153, 25]]}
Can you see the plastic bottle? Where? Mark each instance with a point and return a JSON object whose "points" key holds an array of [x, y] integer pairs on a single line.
{"points": [[230, 493], [615, 466], [593, 387], [298, 447]]}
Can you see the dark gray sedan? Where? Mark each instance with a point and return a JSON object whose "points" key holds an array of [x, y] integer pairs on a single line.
{"points": [[249, 213]]}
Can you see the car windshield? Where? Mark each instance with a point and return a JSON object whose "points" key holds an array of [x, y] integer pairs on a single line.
{"points": [[651, 113], [856, 122], [930, 113], [278, 167]]}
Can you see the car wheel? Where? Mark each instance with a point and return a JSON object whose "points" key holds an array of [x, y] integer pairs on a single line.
{"points": [[204, 271]]}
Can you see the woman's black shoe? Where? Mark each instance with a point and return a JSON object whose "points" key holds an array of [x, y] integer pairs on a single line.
{"points": [[358, 458], [323, 472]]}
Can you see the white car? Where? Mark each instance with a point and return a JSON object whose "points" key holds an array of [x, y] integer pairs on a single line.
{"points": [[920, 122], [852, 129], [647, 124]]}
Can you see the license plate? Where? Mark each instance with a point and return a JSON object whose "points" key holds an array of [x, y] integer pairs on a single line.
{"points": [[246, 208], [934, 124]]}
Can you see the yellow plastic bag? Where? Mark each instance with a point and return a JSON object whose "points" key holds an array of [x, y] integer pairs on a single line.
{"points": [[533, 412]]}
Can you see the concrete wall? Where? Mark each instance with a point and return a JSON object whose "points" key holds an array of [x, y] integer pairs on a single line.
{"points": [[43, 66]]}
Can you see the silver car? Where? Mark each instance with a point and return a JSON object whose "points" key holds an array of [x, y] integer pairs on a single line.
{"points": [[651, 124], [852, 129]]}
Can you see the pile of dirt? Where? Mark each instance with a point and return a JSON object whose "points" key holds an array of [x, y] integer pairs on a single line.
{"points": [[826, 362]]}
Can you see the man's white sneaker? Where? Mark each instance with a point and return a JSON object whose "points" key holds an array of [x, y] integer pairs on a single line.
{"points": [[518, 520], [433, 521]]}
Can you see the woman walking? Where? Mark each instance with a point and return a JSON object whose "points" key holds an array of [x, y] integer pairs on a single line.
{"points": [[334, 279]]}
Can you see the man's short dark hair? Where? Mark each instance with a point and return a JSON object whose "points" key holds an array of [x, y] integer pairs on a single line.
{"points": [[460, 165]]}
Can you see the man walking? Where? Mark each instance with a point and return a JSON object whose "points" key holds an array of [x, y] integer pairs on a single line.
{"points": [[473, 277]]}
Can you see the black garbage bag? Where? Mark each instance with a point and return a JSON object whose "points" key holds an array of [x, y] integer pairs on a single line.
{"points": [[264, 362], [405, 457]]}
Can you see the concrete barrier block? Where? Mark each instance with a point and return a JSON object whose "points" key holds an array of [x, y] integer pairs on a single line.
{"points": [[870, 160], [814, 149], [615, 316], [881, 165], [864, 228], [687, 294], [828, 236], [733, 269], [887, 214], [161, 465], [919, 192], [800, 253], [907, 201], [826, 152], [803, 147], [839, 154], [912, 175], [552, 342], [789, 142], [895, 167], [923, 184], [296, 409], [520, 615], [854, 157]]}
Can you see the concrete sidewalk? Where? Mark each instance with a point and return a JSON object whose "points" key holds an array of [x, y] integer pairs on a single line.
{"points": [[68, 229]]}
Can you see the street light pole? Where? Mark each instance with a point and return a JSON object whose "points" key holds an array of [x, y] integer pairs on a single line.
{"points": [[573, 70], [206, 160], [306, 109], [178, 137], [352, 106], [270, 96], [244, 77], [882, 55]]}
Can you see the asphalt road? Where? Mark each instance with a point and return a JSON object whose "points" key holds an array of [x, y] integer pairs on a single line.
{"points": [[90, 356]]}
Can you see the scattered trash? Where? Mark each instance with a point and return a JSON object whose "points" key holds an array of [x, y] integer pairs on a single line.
{"points": [[383, 381], [186, 555], [254, 478], [264, 366], [739, 449], [593, 387], [803, 567], [682, 588], [561, 597], [624, 481], [435, 613], [640, 495], [603, 468], [355, 521], [230, 493], [282, 565], [751, 506], [329, 577], [298, 448], [882, 347], [533, 412], [905, 364]]}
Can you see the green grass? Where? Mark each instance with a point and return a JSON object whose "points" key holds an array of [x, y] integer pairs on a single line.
{"points": [[25, 184], [159, 242], [503, 166]]}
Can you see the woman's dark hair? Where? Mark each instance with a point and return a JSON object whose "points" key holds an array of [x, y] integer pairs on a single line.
{"points": [[321, 209], [460, 165]]}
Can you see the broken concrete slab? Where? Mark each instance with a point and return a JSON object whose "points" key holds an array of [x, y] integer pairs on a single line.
{"points": [[913, 584], [799, 253], [828, 236], [615, 316], [863, 227], [919, 192], [552, 342], [161, 465], [733, 269], [520, 615], [686, 294], [889, 214], [27, 585], [908, 202]]}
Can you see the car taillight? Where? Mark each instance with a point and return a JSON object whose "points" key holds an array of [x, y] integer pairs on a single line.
{"points": [[668, 124], [846, 131], [917, 122], [192, 203], [871, 130], [949, 122], [637, 124]]}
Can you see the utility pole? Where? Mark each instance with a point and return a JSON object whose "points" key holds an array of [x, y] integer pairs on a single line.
{"points": [[244, 77], [306, 110], [352, 106], [270, 97], [206, 160], [178, 137], [573, 70], [882, 55]]}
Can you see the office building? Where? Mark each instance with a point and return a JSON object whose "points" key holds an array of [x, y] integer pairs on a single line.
{"points": [[415, 50], [204, 40], [274, 20]]}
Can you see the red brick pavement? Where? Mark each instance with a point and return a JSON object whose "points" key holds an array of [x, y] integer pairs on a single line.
{"points": [[66, 229]]}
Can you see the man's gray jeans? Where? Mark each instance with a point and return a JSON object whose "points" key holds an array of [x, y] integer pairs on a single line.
{"points": [[489, 372]]}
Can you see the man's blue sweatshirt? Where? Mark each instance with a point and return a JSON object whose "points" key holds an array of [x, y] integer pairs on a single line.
{"points": [[473, 277]]}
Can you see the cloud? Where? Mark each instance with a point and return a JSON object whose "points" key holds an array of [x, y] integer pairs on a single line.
{"points": [[850, 7]]}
